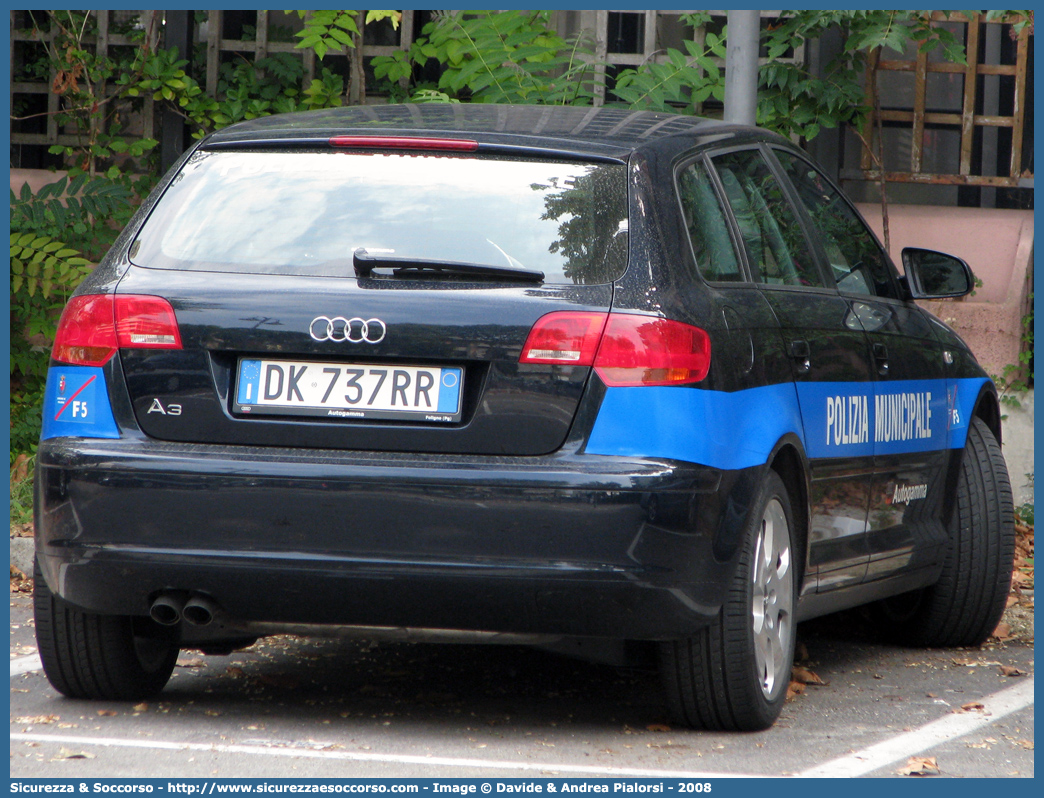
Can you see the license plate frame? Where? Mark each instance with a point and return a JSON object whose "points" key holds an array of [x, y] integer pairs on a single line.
{"points": [[277, 386]]}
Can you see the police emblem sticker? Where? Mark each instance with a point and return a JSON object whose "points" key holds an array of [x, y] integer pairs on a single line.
{"points": [[76, 404]]}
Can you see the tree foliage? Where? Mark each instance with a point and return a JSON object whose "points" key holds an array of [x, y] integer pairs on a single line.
{"points": [[67, 204], [506, 57], [328, 30]]}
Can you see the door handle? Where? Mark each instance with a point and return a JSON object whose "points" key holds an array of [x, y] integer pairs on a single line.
{"points": [[800, 352], [881, 359]]}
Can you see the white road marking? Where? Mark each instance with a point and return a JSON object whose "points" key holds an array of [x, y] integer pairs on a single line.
{"points": [[400, 759], [949, 727], [25, 664]]}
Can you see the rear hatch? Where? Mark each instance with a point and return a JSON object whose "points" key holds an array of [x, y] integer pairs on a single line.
{"points": [[371, 299]]}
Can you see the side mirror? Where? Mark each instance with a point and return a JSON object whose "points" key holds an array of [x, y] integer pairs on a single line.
{"points": [[936, 275]]}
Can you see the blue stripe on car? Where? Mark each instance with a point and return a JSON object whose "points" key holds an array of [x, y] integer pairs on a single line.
{"points": [[724, 430], [739, 429]]}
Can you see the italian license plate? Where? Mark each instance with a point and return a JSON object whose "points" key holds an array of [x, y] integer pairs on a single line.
{"points": [[348, 390]]}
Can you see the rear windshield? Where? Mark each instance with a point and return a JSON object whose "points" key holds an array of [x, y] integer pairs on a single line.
{"points": [[307, 212]]}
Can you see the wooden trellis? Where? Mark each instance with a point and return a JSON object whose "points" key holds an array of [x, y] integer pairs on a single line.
{"points": [[103, 42], [262, 46], [656, 27], [967, 120]]}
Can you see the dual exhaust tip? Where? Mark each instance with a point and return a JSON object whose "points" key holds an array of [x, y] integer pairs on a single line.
{"points": [[170, 608]]}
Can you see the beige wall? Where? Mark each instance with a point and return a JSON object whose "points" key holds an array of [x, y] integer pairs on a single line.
{"points": [[997, 245]]}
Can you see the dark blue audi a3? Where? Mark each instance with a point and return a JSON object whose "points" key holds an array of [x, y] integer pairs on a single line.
{"points": [[588, 378]]}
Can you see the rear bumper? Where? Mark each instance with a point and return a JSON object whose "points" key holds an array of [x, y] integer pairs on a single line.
{"points": [[567, 544]]}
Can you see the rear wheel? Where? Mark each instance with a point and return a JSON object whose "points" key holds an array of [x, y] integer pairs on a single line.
{"points": [[85, 655], [733, 675], [965, 605]]}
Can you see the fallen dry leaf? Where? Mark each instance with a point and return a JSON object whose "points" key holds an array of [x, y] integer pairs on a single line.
{"points": [[142, 707], [919, 766], [1002, 632], [973, 706], [20, 469], [37, 720], [20, 583], [658, 727], [804, 675], [1010, 670], [65, 753], [107, 712], [794, 689], [1021, 578], [1028, 744], [234, 672]]}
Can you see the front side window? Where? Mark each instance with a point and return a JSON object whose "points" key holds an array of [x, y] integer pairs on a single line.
{"points": [[306, 213], [857, 262], [708, 229], [778, 252]]}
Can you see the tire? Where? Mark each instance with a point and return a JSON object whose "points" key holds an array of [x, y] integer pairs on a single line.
{"points": [[114, 657], [967, 602], [733, 675]]}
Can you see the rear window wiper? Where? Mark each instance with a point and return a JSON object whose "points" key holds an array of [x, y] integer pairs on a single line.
{"points": [[365, 262]]}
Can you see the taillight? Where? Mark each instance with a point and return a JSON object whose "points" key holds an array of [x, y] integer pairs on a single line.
{"points": [[94, 326], [624, 349], [564, 337], [86, 331], [642, 350], [146, 322]]}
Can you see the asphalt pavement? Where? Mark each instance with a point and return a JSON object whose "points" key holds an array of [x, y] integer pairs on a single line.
{"points": [[292, 707]]}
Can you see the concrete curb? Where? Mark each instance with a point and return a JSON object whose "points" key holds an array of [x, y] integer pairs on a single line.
{"points": [[22, 554]]}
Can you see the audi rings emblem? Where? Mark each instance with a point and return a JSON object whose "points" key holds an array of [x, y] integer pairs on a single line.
{"points": [[354, 330]]}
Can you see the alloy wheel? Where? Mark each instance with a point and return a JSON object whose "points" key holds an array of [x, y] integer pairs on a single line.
{"points": [[772, 603]]}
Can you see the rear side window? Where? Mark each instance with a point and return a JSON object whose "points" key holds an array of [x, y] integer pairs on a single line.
{"points": [[858, 264], [708, 230], [777, 249], [307, 212]]}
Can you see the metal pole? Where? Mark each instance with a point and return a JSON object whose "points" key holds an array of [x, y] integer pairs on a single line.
{"points": [[741, 67]]}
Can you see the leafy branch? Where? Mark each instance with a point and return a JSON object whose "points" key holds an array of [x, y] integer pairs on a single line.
{"points": [[509, 56], [334, 30], [39, 263], [66, 202]]}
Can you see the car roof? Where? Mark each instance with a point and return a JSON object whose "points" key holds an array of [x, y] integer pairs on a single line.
{"points": [[607, 132]]}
